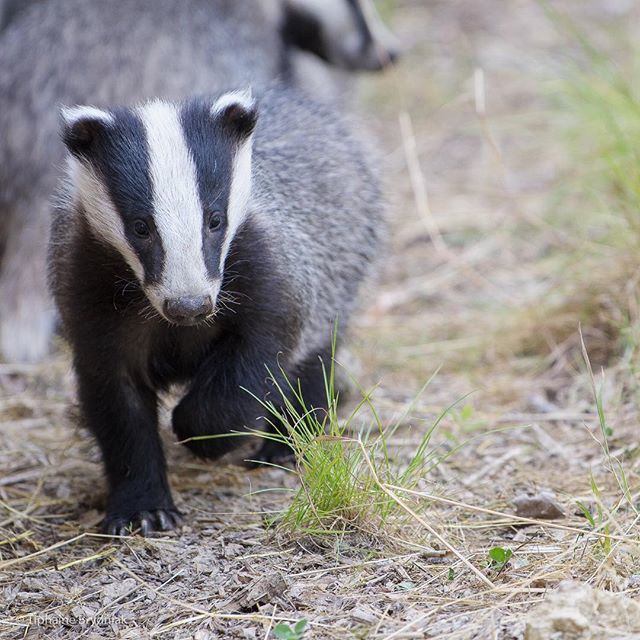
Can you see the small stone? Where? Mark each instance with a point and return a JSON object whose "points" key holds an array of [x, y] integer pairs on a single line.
{"points": [[115, 590], [576, 611], [364, 615], [541, 506]]}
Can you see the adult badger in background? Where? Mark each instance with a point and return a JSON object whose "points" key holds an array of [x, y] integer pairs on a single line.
{"points": [[204, 242], [97, 52], [344, 33]]}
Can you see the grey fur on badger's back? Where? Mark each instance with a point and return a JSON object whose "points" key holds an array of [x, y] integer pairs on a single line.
{"points": [[327, 225]]}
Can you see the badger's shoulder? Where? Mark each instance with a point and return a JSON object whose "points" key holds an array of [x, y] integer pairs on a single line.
{"points": [[313, 134], [318, 195], [316, 178]]}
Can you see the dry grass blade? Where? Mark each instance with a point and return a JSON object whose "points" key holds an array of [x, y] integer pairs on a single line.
{"points": [[511, 518], [421, 520], [58, 545], [418, 182]]}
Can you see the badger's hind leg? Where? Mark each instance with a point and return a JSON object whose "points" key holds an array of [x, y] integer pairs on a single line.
{"points": [[310, 377], [27, 314]]}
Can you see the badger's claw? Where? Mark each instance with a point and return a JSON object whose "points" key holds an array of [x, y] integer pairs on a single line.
{"points": [[146, 522]]}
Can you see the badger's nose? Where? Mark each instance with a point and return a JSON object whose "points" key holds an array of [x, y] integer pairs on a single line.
{"points": [[188, 309]]}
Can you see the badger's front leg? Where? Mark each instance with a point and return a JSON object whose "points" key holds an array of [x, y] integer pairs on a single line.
{"points": [[122, 414], [221, 398]]}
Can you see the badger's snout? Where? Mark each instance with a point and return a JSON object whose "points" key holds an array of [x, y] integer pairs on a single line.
{"points": [[188, 310]]}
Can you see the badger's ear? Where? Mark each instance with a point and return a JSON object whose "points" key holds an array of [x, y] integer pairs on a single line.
{"points": [[237, 112], [81, 126]]}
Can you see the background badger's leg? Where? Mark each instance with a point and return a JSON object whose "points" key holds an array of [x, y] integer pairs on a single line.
{"points": [[217, 403], [123, 417], [26, 309], [309, 376]]}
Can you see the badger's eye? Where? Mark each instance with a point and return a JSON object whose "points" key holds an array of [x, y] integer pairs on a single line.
{"points": [[141, 229], [215, 221]]}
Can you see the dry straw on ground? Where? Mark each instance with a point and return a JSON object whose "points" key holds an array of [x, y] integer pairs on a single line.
{"points": [[473, 159]]}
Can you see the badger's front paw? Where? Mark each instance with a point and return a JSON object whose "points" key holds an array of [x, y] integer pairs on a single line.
{"points": [[140, 505], [204, 443], [145, 522]]}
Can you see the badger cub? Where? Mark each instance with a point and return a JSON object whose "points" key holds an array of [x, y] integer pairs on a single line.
{"points": [[202, 243]]}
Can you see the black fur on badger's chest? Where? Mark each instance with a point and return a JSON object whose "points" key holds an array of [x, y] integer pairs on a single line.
{"points": [[106, 299]]}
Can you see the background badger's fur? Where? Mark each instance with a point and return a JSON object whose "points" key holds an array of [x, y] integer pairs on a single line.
{"points": [[92, 52], [160, 208]]}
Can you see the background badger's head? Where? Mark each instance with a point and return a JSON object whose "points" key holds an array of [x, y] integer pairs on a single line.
{"points": [[345, 33], [167, 186]]}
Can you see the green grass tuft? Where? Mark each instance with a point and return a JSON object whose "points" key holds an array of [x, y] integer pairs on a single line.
{"points": [[601, 99], [341, 465]]}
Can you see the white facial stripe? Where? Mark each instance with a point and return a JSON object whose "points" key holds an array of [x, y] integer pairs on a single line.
{"points": [[71, 115], [102, 216], [240, 188], [176, 203], [382, 37], [239, 194]]}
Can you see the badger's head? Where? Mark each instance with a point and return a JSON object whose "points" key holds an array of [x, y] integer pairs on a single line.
{"points": [[167, 186], [345, 33]]}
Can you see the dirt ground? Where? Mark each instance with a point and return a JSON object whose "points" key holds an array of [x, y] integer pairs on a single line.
{"points": [[472, 159]]}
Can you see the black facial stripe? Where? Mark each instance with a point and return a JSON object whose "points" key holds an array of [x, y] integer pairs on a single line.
{"points": [[120, 156], [212, 151], [302, 29]]}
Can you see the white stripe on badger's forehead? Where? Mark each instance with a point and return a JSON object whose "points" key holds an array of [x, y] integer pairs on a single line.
{"points": [[177, 208], [102, 216], [240, 188], [239, 194]]}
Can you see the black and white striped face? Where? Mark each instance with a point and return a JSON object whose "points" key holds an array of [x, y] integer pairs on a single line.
{"points": [[168, 186], [346, 33]]}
